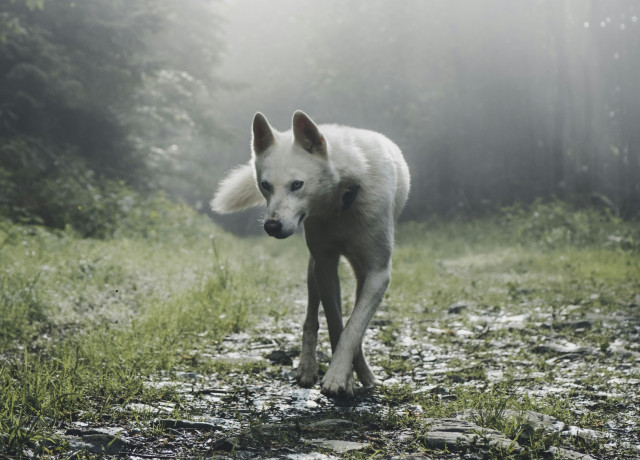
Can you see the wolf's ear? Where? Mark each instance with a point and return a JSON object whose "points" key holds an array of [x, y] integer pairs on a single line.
{"points": [[262, 134], [307, 135]]}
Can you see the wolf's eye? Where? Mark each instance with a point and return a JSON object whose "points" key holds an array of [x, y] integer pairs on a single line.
{"points": [[266, 185], [296, 185]]}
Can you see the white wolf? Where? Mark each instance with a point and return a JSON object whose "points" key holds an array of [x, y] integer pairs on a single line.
{"points": [[347, 186]]}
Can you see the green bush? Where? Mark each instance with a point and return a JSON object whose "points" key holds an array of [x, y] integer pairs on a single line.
{"points": [[556, 224], [70, 196]]}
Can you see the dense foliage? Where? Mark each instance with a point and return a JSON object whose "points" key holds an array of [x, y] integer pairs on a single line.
{"points": [[95, 96]]}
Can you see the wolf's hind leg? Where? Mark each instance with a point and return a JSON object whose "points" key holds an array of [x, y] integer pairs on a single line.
{"points": [[364, 372], [326, 273]]}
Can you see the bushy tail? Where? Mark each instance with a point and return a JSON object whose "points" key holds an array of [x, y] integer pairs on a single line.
{"points": [[237, 191]]}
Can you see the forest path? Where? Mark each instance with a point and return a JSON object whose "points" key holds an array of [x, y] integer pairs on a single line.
{"points": [[446, 384]]}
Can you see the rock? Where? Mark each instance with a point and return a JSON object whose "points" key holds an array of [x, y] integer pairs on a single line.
{"points": [[102, 443], [536, 420], [106, 430], [566, 454], [455, 378], [280, 357], [338, 445], [457, 307], [158, 409], [565, 349], [412, 457], [226, 444], [329, 424], [530, 421], [186, 425], [455, 434], [578, 324], [189, 375], [269, 429], [582, 433], [385, 322], [315, 427], [309, 456]]}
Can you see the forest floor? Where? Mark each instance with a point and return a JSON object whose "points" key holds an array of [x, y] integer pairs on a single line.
{"points": [[515, 336]]}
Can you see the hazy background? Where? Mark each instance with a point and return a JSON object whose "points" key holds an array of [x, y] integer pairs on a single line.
{"points": [[493, 102]]}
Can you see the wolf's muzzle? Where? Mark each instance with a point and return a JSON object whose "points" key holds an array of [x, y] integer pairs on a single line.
{"points": [[273, 227]]}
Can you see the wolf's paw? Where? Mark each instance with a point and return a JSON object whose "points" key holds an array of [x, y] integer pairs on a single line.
{"points": [[366, 376], [337, 384], [369, 381], [307, 373]]}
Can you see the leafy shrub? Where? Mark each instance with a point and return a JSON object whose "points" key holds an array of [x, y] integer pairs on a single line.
{"points": [[156, 217], [65, 194], [543, 225], [556, 224]]}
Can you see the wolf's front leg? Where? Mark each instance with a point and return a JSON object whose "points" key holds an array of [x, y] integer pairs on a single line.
{"points": [[338, 381], [325, 270], [307, 373]]}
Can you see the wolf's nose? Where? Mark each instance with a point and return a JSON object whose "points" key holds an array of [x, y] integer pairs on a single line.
{"points": [[272, 227]]}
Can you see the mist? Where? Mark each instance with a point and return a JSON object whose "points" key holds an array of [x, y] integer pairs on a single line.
{"points": [[501, 315], [494, 103]]}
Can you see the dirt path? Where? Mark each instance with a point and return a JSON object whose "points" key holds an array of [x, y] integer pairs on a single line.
{"points": [[446, 384]]}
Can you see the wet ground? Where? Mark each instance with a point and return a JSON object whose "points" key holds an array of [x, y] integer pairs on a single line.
{"points": [[446, 381]]}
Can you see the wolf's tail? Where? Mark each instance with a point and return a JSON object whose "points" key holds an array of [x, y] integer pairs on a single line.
{"points": [[238, 191]]}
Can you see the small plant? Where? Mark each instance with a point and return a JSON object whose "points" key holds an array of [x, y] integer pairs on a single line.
{"points": [[491, 404]]}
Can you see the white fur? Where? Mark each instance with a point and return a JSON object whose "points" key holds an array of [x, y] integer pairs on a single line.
{"points": [[238, 191], [332, 161]]}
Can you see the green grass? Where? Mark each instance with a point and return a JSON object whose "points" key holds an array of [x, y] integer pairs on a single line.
{"points": [[84, 323], [570, 264]]}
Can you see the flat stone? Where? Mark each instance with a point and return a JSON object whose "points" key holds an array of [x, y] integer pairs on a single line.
{"points": [[280, 357], [338, 445], [457, 307], [566, 454], [105, 443], [226, 444], [186, 425], [158, 409], [565, 349], [309, 456], [578, 324], [458, 434], [328, 424], [535, 419], [189, 375], [538, 420], [273, 428], [315, 427], [412, 457]]}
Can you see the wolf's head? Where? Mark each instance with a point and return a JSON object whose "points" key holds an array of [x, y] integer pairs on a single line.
{"points": [[293, 172]]}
